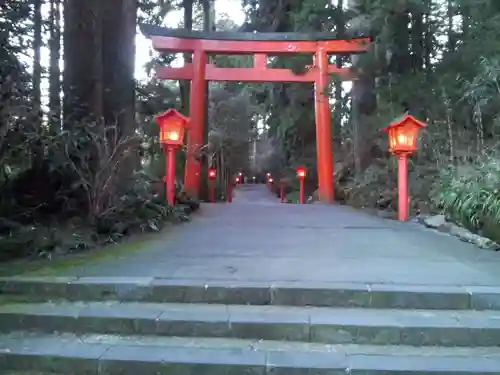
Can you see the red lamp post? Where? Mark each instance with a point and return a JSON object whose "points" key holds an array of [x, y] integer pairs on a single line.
{"points": [[403, 134], [301, 175], [282, 192], [212, 173], [172, 125], [230, 191]]}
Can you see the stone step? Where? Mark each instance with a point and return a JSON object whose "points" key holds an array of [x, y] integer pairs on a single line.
{"points": [[255, 293], [124, 355], [307, 324]]}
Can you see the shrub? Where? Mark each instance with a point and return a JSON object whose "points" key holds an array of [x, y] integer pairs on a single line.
{"points": [[85, 194], [293, 197], [469, 194]]}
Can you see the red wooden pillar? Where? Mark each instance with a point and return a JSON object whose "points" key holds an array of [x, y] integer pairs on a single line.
{"points": [[323, 130], [403, 201], [170, 175], [197, 114]]}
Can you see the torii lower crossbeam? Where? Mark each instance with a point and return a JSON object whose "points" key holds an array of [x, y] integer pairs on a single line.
{"points": [[213, 73], [200, 44]]}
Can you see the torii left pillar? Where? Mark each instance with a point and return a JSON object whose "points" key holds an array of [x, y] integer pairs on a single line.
{"points": [[323, 129], [197, 114]]}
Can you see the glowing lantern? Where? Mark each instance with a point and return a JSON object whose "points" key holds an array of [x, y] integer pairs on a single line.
{"points": [[403, 134], [172, 125], [212, 173], [301, 173]]}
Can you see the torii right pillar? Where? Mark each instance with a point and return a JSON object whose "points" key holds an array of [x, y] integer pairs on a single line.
{"points": [[323, 129]]}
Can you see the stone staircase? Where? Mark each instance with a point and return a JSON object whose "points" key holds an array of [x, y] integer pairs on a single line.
{"points": [[149, 326]]}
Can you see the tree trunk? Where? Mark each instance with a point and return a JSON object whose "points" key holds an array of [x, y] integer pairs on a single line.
{"points": [[417, 39], [337, 114], [185, 86], [451, 44], [83, 70], [119, 29], [208, 25], [428, 38], [400, 60], [465, 10], [364, 103], [55, 71], [37, 79]]}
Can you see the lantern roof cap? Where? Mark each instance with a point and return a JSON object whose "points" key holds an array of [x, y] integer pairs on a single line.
{"points": [[400, 120], [171, 112]]}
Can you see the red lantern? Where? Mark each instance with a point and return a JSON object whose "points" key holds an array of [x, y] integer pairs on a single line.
{"points": [[301, 173], [172, 125], [403, 134], [237, 180], [212, 173]]}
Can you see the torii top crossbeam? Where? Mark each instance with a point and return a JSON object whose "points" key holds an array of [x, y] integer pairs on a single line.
{"points": [[180, 40], [168, 40]]}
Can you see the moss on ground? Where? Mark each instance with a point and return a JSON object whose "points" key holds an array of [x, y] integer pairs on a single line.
{"points": [[45, 267]]}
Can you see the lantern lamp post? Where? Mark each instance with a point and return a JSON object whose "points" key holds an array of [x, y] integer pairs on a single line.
{"points": [[212, 174], [229, 191], [403, 133], [282, 191], [301, 175], [172, 126]]}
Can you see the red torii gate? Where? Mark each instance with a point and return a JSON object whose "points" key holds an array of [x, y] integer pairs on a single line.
{"points": [[260, 45]]}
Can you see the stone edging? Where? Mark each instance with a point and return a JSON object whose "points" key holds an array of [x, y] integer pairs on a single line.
{"points": [[439, 223]]}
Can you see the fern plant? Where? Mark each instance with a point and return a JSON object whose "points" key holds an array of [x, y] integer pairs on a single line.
{"points": [[470, 194]]}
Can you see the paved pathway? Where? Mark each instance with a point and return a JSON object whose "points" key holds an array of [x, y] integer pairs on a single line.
{"points": [[257, 238], [262, 288]]}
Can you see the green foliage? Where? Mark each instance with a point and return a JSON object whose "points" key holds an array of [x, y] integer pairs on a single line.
{"points": [[293, 197], [374, 188], [90, 184], [470, 194]]}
